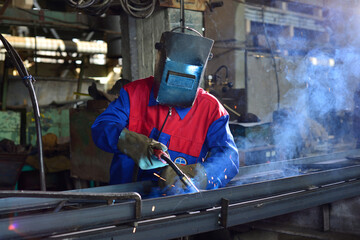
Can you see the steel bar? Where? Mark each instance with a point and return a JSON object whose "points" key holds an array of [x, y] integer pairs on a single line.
{"points": [[182, 15], [44, 224], [289, 163], [10, 205], [178, 226], [5, 83], [78, 195], [36, 110]]}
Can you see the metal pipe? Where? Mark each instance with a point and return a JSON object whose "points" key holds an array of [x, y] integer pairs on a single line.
{"points": [[48, 44], [5, 83], [81, 75], [182, 16], [36, 110], [28, 81]]}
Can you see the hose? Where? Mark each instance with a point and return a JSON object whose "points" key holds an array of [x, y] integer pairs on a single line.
{"points": [[92, 7], [28, 81], [138, 9]]}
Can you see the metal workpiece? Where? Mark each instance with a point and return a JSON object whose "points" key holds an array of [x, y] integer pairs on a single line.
{"points": [[109, 197], [22, 204], [238, 213], [184, 179], [174, 216]]}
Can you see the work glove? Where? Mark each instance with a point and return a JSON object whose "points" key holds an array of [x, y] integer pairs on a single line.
{"points": [[140, 149], [170, 180]]}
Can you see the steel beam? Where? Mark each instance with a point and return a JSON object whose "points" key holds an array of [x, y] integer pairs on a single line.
{"points": [[255, 201], [45, 224], [205, 221], [22, 204]]}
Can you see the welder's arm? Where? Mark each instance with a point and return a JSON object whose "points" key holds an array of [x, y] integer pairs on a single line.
{"points": [[109, 124], [222, 161], [141, 149], [219, 167], [109, 134]]}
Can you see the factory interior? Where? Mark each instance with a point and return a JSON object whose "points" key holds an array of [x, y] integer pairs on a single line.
{"points": [[284, 73]]}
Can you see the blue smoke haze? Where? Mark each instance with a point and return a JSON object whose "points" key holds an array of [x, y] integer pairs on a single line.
{"points": [[317, 110]]}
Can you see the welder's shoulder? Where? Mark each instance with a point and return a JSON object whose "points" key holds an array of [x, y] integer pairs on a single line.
{"points": [[212, 103], [140, 83]]}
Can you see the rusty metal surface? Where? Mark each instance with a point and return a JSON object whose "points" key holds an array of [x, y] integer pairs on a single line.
{"points": [[88, 162]]}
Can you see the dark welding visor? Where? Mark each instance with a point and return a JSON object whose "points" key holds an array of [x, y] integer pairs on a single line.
{"points": [[179, 67]]}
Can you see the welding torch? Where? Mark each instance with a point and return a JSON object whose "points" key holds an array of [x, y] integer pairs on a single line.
{"points": [[185, 179]]}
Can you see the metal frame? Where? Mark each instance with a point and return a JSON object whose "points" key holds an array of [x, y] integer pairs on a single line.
{"points": [[109, 197], [284, 18], [174, 216], [205, 221]]}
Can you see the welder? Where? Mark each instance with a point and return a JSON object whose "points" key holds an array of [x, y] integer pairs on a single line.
{"points": [[172, 113]]}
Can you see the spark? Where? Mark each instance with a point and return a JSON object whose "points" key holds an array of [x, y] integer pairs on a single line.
{"points": [[225, 170], [212, 178], [173, 185], [160, 177], [153, 208], [134, 230], [225, 176]]}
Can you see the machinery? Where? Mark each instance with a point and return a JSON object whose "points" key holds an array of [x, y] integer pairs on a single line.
{"points": [[135, 211]]}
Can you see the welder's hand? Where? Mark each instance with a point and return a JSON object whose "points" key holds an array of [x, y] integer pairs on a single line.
{"points": [[196, 172], [140, 148]]}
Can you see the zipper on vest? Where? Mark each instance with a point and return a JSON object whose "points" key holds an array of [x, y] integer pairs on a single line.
{"points": [[162, 127]]}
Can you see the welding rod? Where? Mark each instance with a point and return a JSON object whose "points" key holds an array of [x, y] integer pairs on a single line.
{"points": [[185, 179]]}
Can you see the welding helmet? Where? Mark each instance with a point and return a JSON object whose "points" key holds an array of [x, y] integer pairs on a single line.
{"points": [[179, 67]]}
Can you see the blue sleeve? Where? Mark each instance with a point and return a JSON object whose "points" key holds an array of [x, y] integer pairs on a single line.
{"points": [[108, 125], [222, 162]]}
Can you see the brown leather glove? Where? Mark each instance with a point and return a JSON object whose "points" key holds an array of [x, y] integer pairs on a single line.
{"points": [[141, 149], [196, 172]]}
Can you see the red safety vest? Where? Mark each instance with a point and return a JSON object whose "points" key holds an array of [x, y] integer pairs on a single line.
{"points": [[188, 134]]}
